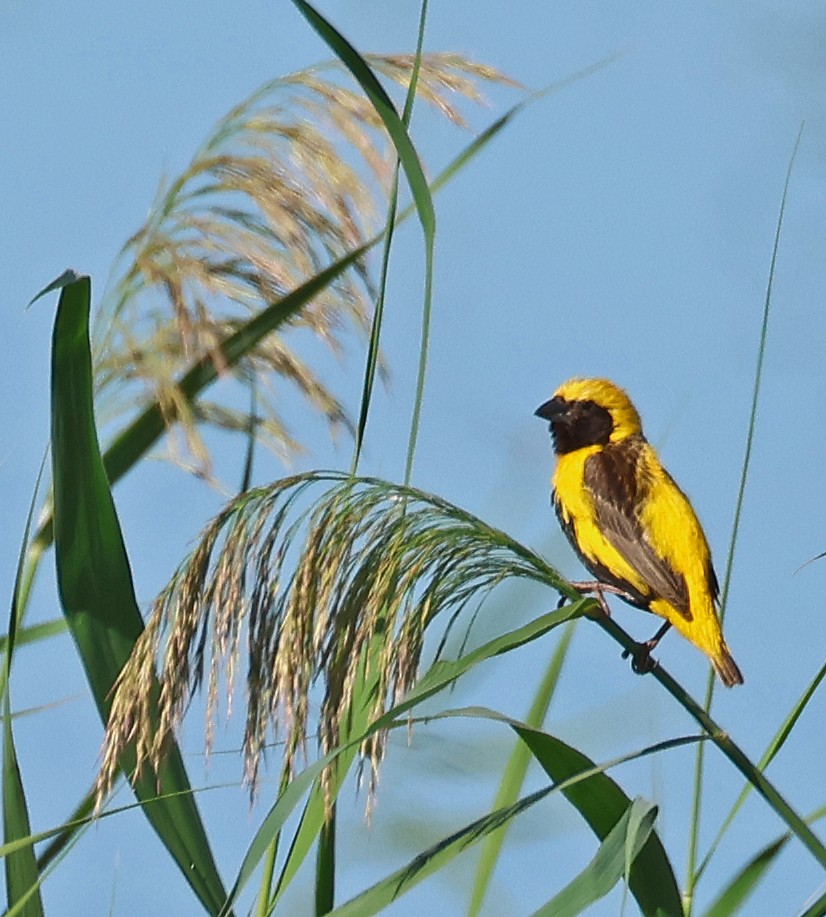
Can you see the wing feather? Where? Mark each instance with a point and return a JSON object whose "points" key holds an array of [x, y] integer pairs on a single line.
{"points": [[618, 486]]}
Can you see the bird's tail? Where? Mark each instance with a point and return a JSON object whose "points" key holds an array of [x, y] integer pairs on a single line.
{"points": [[726, 667]]}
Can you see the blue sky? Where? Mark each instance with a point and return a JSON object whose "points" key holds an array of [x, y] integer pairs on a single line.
{"points": [[622, 226]]}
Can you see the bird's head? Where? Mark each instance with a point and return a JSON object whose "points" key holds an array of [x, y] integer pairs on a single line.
{"points": [[589, 412]]}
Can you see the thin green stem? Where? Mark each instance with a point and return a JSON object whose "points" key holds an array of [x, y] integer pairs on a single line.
{"points": [[266, 880], [699, 765], [429, 234]]}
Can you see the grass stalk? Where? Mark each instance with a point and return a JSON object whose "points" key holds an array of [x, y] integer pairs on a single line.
{"points": [[699, 764]]}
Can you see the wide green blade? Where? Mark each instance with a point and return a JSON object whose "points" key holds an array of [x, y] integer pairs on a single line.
{"points": [[431, 860], [601, 802], [622, 845], [22, 873], [734, 895], [384, 107], [513, 776], [95, 582]]}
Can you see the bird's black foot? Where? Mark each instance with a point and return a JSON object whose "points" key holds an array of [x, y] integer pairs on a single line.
{"points": [[642, 662]]}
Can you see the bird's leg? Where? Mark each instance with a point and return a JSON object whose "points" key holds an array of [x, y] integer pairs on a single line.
{"points": [[642, 661], [598, 589]]}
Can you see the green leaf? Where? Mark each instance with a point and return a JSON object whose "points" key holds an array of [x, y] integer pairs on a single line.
{"points": [[602, 803], [621, 846], [383, 104], [513, 777], [35, 632], [734, 895], [440, 676], [314, 817], [95, 583], [435, 857], [775, 745], [429, 861], [22, 873], [23, 876]]}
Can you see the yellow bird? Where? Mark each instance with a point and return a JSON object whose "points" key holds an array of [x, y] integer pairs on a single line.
{"points": [[628, 521]]}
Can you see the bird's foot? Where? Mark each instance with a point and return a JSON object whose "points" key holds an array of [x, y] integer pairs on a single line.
{"points": [[642, 661]]}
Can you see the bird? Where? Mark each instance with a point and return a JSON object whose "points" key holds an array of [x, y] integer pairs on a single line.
{"points": [[632, 527]]}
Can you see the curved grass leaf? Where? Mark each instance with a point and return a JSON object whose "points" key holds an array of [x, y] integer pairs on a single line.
{"points": [[410, 163], [732, 898], [694, 833], [513, 776], [774, 746], [611, 862], [383, 104], [438, 855], [602, 803], [23, 875], [440, 676], [95, 582]]}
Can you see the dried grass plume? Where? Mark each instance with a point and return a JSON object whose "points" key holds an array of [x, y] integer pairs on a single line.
{"points": [[289, 181], [319, 592]]}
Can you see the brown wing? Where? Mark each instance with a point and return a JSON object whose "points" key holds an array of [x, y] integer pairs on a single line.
{"points": [[599, 571], [618, 491]]}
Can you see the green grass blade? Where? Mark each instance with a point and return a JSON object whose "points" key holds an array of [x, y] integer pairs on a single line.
{"points": [[694, 831], [734, 895], [777, 742], [601, 802], [440, 854], [35, 632], [385, 109], [431, 860], [410, 163], [372, 362], [440, 676], [23, 874], [95, 581], [325, 882], [513, 776], [622, 845], [63, 838], [288, 801], [314, 817]]}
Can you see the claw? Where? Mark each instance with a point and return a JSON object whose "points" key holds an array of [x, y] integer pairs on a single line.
{"points": [[641, 661]]}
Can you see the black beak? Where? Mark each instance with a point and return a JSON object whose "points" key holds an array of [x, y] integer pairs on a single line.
{"points": [[552, 409]]}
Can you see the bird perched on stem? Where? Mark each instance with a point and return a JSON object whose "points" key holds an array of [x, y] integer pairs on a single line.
{"points": [[629, 522]]}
